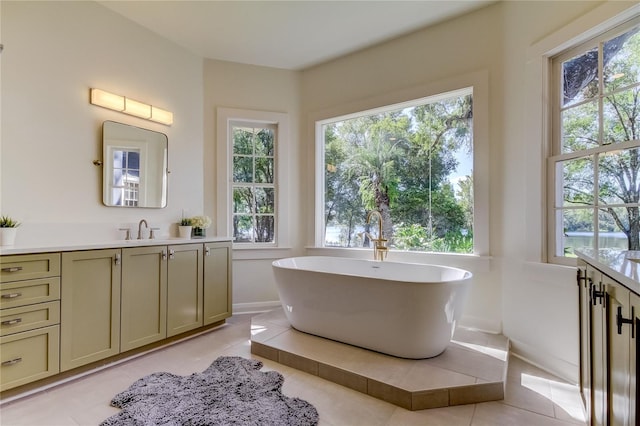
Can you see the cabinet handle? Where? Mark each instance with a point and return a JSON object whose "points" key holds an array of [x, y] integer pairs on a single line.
{"points": [[12, 269], [11, 362], [583, 278], [172, 253], [164, 255], [12, 322], [116, 259], [207, 251], [622, 320], [596, 294], [11, 295]]}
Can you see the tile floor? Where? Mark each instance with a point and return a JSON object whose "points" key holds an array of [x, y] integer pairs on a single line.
{"points": [[472, 369], [532, 397]]}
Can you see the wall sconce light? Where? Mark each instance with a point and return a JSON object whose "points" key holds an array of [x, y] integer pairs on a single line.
{"points": [[131, 107]]}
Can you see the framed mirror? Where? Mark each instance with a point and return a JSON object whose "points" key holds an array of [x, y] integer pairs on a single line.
{"points": [[134, 166]]}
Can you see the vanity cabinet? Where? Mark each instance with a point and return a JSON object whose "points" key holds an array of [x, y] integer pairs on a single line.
{"points": [[90, 321], [217, 275], [185, 288], [144, 296], [618, 334], [29, 318], [585, 280], [608, 347], [634, 353], [64, 310], [161, 292]]}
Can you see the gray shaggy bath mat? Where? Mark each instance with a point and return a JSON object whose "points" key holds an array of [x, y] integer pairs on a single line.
{"points": [[230, 392]]}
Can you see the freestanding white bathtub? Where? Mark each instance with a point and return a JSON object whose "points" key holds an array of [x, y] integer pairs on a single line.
{"points": [[407, 310]]}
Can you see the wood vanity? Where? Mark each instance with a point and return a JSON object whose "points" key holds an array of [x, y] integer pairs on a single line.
{"points": [[609, 295], [65, 308]]}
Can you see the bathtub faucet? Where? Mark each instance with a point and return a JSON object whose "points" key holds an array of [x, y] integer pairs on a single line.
{"points": [[380, 248]]}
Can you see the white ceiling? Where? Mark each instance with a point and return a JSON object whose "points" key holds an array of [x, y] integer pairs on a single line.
{"points": [[292, 34]]}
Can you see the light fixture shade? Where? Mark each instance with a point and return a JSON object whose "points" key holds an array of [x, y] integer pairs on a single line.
{"points": [[161, 116], [107, 100], [137, 108], [129, 106]]}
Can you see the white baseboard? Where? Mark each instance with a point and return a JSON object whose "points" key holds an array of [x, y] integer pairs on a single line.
{"points": [[556, 366], [481, 324], [255, 307]]}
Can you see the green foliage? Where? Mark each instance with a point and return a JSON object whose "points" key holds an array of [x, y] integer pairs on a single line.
{"points": [[410, 237], [614, 195], [253, 163], [416, 237], [454, 242], [185, 221], [400, 163], [8, 222]]}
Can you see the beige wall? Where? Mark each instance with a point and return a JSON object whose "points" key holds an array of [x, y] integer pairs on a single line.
{"points": [[53, 53], [233, 85]]}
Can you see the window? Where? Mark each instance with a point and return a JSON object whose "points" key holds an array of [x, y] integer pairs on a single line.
{"points": [[253, 187], [252, 182], [413, 162], [125, 188], [595, 166]]}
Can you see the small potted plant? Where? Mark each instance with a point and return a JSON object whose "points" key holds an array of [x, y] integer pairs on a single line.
{"points": [[8, 230], [184, 228]]}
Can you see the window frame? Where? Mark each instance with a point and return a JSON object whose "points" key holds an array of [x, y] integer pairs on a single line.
{"points": [[589, 40], [253, 185], [478, 83], [128, 187], [226, 117]]}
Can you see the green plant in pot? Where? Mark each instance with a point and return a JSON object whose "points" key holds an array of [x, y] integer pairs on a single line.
{"points": [[184, 228], [8, 230]]}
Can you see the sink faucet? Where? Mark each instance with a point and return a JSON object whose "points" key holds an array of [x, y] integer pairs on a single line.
{"points": [[140, 228], [380, 248]]}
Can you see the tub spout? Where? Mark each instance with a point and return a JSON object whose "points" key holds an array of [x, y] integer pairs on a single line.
{"points": [[380, 248]]}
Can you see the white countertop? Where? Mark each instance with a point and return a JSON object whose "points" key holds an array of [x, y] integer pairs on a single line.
{"points": [[53, 247], [621, 265]]}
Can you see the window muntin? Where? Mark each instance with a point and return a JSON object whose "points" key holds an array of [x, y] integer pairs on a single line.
{"points": [[596, 133], [254, 183], [413, 162]]}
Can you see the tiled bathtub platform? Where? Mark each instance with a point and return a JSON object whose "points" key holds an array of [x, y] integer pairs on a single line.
{"points": [[472, 369]]}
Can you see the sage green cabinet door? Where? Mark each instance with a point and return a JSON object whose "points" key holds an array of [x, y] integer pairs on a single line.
{"points": [[584, 284], [634, 353], [599, 397], [217, 282], [618, 338], [184, 298], [29, 356], [90, 307], [144, 296]]}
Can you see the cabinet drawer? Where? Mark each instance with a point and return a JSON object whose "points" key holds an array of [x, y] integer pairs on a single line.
{"points": [[30, 317], [29, 266], [29, 356], [29, 292]]}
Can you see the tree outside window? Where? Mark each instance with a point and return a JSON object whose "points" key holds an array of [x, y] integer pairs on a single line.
{"points": [[254, 191], [413, 163], [597, 154]]}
